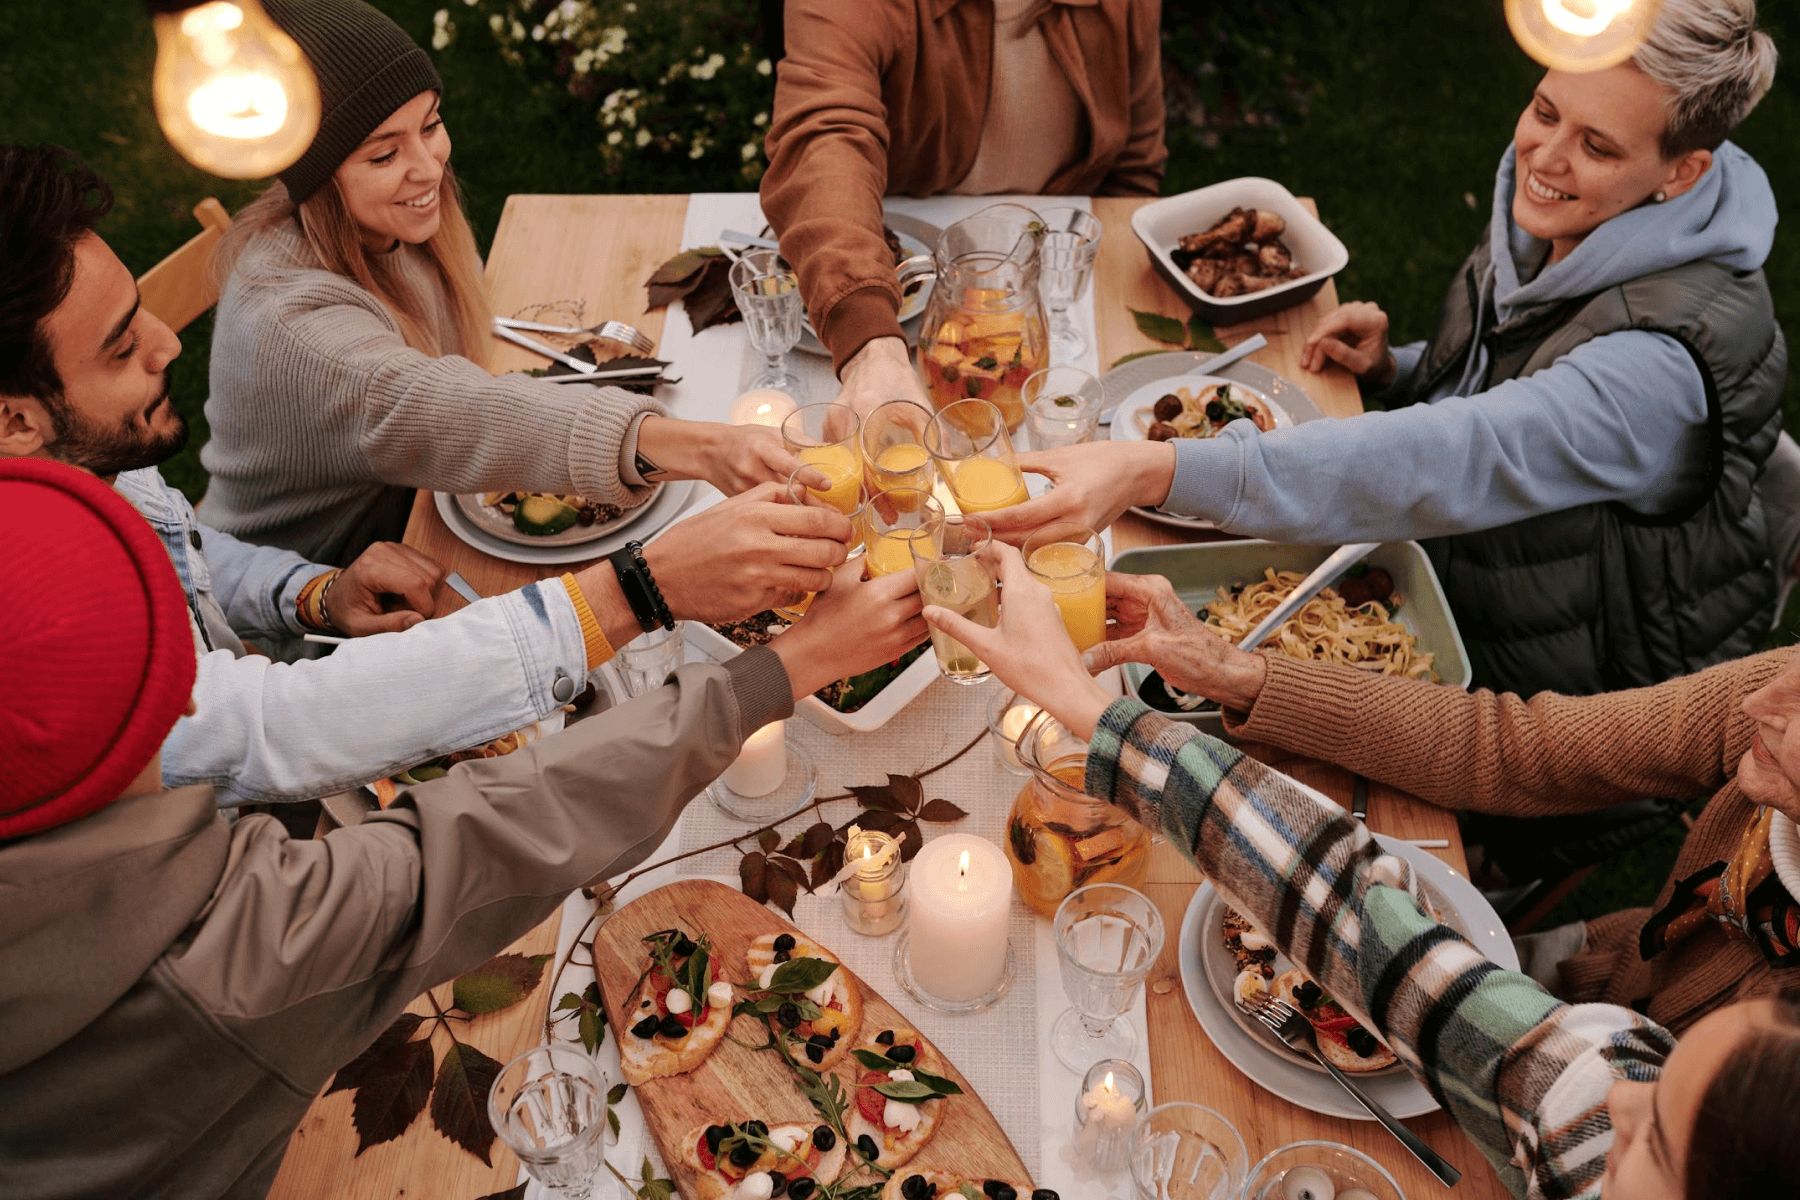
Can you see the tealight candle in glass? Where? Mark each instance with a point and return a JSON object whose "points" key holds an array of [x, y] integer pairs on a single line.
{"points": [[874, 891], [1106, 1109]]}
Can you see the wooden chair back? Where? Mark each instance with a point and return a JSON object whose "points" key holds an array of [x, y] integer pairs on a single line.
{"points": [[180, 287]]}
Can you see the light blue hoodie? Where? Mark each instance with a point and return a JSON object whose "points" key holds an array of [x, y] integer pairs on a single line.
{"points": [[1621, 417]]}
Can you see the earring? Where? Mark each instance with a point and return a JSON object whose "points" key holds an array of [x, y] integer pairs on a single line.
{"points": [[1660, 196]]}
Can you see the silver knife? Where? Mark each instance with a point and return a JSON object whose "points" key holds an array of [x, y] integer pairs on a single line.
{"points": [[1211, 366], [1341, 560], [456, 583]]}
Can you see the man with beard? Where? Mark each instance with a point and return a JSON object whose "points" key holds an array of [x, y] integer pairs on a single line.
{"points": [[84, 379]]}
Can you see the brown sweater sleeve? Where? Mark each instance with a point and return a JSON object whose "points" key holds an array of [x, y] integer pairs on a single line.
{"points": [[1501, 754], [828, 148], [1138, 171]]}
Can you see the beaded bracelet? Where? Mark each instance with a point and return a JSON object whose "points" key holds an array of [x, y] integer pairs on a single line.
{"points": [[310, 604], [639, 586]]}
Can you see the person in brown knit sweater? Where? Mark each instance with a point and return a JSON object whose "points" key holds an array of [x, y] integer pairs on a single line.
{"points": [[1723, 928]]}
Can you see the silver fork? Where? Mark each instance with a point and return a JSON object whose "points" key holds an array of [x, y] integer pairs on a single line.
{"points": [[612, 331], [1296, 1031]]}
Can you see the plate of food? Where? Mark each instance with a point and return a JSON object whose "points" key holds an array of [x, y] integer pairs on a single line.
{"points": [[1215, 960], [907, 237], [493, 530], [1267, 399]]}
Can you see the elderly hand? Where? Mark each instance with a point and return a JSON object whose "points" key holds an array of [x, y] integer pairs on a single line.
{"points": [[747, 554], [855, 626], [879, 372], [1030, 650], [733, 458], [1093, 484], [388, 588], [1153, 626], [1355, 335]]}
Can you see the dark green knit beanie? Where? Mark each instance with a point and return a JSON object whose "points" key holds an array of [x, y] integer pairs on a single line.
{"points": [[367, 67]]}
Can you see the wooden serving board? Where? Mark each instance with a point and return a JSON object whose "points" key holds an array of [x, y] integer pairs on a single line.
{"points": [[737, 1084]]}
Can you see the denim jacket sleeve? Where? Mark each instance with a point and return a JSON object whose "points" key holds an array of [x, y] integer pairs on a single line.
{"points": [[265, 731], [257, 586]]}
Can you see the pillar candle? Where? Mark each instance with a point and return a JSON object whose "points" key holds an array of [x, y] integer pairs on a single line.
{"points": [[961, 898], [764, 406], [761, 765]]}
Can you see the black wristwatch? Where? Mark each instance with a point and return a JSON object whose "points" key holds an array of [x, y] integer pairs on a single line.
{"points": [[639, 586]]}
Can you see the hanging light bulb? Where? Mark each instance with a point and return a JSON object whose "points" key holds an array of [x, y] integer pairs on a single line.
{"points": [[1581, 35], [233, 93]]}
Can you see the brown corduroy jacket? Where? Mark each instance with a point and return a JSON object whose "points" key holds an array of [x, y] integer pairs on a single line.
{"points": [[889, 96], [1551, 755]]}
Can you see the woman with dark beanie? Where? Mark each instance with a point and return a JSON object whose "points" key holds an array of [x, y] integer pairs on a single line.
{"points": [[352, 334]]}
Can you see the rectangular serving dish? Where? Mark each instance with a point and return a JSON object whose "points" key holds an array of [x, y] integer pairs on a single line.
{"points": [[1162, 224], [1199, 570], [899, 692]]}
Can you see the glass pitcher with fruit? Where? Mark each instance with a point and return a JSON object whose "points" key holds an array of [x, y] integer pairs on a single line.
{"points": [[983, 334], [1058, 837]]}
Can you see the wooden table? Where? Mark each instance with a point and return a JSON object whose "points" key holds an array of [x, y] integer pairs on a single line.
{"points": [[601, 248]]}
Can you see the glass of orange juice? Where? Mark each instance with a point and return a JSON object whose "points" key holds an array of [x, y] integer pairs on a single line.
{"points": [[1069, 560], [889, 521], [893, 447], [974, 453], [799, 492], [828, 437]]}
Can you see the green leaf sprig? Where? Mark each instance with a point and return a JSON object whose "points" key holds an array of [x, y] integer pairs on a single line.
{"points": [[921, 1087], [1194, 335]]}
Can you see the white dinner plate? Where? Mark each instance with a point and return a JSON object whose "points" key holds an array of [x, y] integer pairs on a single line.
{"points": [[1310, 1088], [1784, 848], [646, 522], [1139, 382], [492, 521]]}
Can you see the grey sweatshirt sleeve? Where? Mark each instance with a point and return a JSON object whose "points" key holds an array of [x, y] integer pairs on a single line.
{"points": [[1620, 418], [311, 948]]}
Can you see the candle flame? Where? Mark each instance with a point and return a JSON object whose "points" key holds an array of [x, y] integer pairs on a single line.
{"points": [[868, 850], [1108, 1085], [962, 872]]}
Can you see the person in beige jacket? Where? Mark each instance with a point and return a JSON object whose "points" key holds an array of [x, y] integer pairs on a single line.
{"points": [[174, 989]]}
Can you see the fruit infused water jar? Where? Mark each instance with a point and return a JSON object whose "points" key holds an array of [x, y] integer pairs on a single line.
{"points": [[889, 522], [1067, 559], [1058, 837], [974, 453], [953, 577], [827, 436]]}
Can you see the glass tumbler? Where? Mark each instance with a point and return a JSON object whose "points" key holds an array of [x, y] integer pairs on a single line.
{"points": [[1069, 560], [1319, 1169], [647, 660], [828, 437], [952, 575], [1187, 1152], [1065, 265], [1062, 407], [768, 295], [549, 1106], [974, 453], [889, 522], [893, 446], [1107, 939]]}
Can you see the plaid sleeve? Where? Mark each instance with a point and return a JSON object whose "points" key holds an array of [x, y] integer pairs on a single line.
{"points": [[1523, 1075]]}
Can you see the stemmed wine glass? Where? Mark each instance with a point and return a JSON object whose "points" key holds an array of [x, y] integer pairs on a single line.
{"points": [[1065, 264], [1107, 939], [549, 1106], [768, 295]]}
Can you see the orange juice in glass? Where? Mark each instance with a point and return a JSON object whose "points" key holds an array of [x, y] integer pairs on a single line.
{"points": [[974, 453], [826, 436], [1067, 559], [893, 448], [890, 521]]}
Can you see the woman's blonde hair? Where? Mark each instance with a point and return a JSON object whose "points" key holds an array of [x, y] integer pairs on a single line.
{"points": [[1714, 62], [337, 243]]}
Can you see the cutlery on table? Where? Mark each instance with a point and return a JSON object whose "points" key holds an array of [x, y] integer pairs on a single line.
{"points": [[1211, 366], [456, 583], [1296, 1032], [749, 240], [610, 331], [585, 370], [1359, 799]]}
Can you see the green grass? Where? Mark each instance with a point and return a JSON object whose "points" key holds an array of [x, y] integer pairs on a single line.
{"points": [[1392, 116]]}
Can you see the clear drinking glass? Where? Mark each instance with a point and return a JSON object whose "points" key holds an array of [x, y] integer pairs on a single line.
{"points": [[1066, 264], [889, 521], [1069, 560], [549, 1106], [1107, 939], [828, 436], [974, 453], [768, 295], [1301, 1167], [1062, 407], [799, 493], [647, 660], [950, 575], [893, 446], [1187, 1152]]}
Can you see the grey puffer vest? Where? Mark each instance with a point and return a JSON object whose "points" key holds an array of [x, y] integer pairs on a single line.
{"points": [[1599, 597]]}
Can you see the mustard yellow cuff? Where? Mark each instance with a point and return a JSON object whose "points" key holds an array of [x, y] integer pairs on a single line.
{"points": [[599, 650]]}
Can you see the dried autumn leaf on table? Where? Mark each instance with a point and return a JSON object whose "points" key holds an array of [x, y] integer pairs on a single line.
{"points": [[901, 793], [500, 982], [783, 890], [752, 876], [941, 812], [459, 1102], [711, 302], [768, 839], [391, 1094], [511, 1193], [817, 836], [353, 1073], [701, 279]]}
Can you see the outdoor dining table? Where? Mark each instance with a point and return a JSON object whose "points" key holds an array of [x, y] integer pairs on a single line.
{"points": [[601, 249]]}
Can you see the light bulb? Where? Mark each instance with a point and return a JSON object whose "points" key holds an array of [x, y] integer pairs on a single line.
{"points": [[233, 93], [1581, 35]]}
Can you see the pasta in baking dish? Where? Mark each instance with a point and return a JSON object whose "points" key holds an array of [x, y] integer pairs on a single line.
{"points": [[1327, 628]]}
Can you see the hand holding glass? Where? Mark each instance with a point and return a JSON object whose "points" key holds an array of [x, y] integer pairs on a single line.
{"points": [[953, 576], [974, 453], [1070, 561]]}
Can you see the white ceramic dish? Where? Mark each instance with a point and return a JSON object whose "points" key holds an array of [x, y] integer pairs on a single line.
{"points": [[899, 692], [1398, 1092], [1162, 224], [649, 520], [491, 520], [1784, 848]]}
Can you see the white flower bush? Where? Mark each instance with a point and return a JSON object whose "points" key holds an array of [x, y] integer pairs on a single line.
{"points": [[671, 86]]}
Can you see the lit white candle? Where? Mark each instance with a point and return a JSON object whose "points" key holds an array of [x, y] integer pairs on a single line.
{"points": [[762, 764], [764, 406], [962, 896], [1106, 1113]]}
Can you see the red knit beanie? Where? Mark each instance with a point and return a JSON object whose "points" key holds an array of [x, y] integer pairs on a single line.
{"points": [[96, 655]]}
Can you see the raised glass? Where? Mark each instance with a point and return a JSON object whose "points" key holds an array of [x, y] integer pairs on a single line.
{"points": [[1070, 561], [893, 446], [952, 575], [974, 454], [827, 436], [888, 523]]}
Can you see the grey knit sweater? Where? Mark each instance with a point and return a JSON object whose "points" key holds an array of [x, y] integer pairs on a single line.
{"points": [[324, 420]]}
